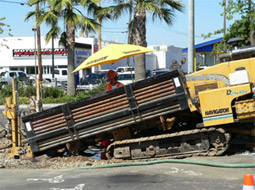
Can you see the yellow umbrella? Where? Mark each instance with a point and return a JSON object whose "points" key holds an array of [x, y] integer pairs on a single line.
{"points": [[111, 54]]}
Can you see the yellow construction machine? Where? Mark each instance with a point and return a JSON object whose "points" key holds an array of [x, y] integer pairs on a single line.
{"points": [[224, 93], [167, 115]]}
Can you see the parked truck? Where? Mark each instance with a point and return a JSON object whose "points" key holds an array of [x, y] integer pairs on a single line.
{"points": [[166, 115]]}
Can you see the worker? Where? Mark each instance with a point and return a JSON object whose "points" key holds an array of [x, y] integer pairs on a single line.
{"points": [[113, 82]]}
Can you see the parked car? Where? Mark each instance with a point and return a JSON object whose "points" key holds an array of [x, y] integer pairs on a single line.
{"points": [[92, 78], [159, 71], [126, 77], [6, 77], [124, 69]]}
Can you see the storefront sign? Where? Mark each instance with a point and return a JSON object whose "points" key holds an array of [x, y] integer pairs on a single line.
{"points": [[44, 52]]}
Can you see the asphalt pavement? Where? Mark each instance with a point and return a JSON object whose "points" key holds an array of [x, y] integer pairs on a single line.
{"points": [[151, 177]]}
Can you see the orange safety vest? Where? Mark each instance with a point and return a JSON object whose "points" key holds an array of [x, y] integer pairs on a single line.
{"points": [[108, 86]]}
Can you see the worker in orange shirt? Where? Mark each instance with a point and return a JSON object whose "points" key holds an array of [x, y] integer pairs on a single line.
{"points": [[113, 82]]}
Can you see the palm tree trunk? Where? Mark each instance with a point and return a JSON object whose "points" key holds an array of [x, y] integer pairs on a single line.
{"points": [[252, 37], [138, 37], [70, 59], [39, 54]]}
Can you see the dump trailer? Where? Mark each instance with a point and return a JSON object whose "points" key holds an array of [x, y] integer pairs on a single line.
{"points": [[167, 115]]}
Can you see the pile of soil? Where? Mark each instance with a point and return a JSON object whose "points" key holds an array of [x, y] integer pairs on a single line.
{"points": [[45, 162]]}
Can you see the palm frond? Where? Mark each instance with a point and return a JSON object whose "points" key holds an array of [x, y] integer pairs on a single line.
{"points": [[172, 4], [54, 31], [71, 18], [112, 12], [87, 23], [63, 40], [29, 15], [164, 14]]}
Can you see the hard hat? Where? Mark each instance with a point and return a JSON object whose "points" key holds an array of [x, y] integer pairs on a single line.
{"points": [[111, 74]]}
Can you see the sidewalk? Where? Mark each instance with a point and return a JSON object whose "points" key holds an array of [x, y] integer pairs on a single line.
{"points": [[26, 106]]}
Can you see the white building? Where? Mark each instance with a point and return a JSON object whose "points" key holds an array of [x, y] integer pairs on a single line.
{"points": [[17, 53]]}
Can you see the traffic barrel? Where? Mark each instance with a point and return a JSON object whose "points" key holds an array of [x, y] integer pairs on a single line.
{"points": [[248, 183]]}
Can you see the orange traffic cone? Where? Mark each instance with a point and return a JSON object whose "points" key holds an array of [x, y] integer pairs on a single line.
{"points": [[248, 183]]}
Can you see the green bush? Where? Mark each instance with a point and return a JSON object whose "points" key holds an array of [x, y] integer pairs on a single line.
{"points": [[52, 92], [49, 94]]}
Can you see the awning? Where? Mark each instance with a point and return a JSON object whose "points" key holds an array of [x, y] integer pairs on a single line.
{"points": [[205, 47]]}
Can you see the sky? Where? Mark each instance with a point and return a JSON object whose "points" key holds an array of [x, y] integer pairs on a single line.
{"points": [[207, 19]]}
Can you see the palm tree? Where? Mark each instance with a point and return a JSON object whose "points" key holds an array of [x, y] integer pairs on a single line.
{"points": [[161, 9], [73, 19]]}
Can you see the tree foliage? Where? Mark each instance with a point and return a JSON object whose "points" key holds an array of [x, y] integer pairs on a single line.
{"points": [[163, 10], [55, 11], [4, 27], [242, 27]]}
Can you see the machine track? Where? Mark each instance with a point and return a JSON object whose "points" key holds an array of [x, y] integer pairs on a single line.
{"points": [[197, 142]]}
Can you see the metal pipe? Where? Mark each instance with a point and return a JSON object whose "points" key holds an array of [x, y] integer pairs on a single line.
{"points": [[191, 35], [153, 93], [99, 102], [47, 129], [62, 119], [47, 118], [49, 125], [81, 117], [153, 85], [143, 100], [120, 102], [103, 109], [154, 89], [238, 54]]}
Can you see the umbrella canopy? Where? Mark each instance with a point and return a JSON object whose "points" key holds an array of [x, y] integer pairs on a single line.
{"points": [[111, 54]]}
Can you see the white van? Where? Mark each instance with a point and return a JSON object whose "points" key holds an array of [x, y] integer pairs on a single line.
{"points": [[126, 77], [60, 74]]}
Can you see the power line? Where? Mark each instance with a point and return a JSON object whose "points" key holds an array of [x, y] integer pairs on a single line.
{"points": [[15, 2], [115, 32], [122, 28]]}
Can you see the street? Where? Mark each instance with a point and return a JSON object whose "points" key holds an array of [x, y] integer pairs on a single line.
{"points": [[160, 176], [147, 177]]}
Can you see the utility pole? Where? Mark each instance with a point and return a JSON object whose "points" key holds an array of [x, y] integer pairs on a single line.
{"points": [[52, 54], [191, 36], [129, 28], [34, 30], [39, 55], [99, 36], [224, 22]]}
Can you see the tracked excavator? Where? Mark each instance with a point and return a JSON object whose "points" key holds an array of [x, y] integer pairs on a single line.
{"points": [[172, 114]]}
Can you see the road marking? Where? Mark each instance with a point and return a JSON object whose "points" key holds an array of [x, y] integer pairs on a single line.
{"points": [[78, 187], [57, 179], [182, 171]]}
